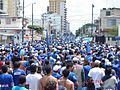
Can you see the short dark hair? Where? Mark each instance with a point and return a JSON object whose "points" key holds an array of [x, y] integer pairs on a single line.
{"points": [[108, 71], [39, 69], [7, 62], [47, 62], [16, 64], [69, 65], [4, 68], [30, 62], [22, 79], [66, 73], [33, 68], [48, 69]]}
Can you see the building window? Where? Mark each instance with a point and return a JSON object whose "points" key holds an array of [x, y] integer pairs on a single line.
{"points": [[8, 21], [1, 4], [13, 19], [108, 13], [111, 22], [0, 21]]}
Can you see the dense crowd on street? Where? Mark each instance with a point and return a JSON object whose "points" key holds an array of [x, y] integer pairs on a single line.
{"points": [[59, 66]]}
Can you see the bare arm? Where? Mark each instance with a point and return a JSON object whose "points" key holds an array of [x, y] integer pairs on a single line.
{"points": [[72, 87]]}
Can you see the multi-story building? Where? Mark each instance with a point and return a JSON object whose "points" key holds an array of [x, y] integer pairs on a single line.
{"points": [[67, 27], [10, 20], [59, 7], [3, 6], [10, 7], [14, 8], [52, 23], [109, 18], [10, 27]]}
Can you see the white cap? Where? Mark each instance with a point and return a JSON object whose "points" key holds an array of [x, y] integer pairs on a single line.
{"points": [[56, 67], [58, 62], [82, 59], [97, 62], [75, 59], [108, 63]]}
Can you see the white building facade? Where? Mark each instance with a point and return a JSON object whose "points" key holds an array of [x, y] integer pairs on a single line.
{"points": [[52, 23], [10, 7], [63, 13], [11, 29], [109, 18]]}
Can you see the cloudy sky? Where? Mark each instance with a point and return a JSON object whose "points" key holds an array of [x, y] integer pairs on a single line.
{"points": [[79, 11]]}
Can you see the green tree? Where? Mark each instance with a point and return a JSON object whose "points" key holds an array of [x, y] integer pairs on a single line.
{"points": [[113, 31], [77, 32], [84, 29], [38, 29]]}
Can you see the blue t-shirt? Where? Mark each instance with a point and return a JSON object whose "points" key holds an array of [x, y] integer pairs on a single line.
{"points": [[86, 70], [6, 81], [72, 76], [19, 88], [56, 75], [89, 58], [16, 74]]}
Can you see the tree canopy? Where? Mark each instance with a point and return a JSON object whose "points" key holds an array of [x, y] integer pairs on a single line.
{"points": [[84, 29], [113, 31], [37, 28]]}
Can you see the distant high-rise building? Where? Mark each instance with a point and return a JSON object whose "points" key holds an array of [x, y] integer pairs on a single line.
{"points": [[14, 7], [55, 5], [10, 7], [3, 8], [59, 7]]}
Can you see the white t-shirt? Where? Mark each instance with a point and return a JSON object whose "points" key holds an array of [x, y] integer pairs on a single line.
{"points": [[33, 81], [110, 83], [96, 74]]}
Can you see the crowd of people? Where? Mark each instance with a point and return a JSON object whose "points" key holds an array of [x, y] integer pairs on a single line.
{"points": [[59, 66]]}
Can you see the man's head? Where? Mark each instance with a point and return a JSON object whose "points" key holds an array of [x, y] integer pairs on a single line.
{"points": [[16, 65], [4, 69], [48, 69], [70, 66], [97, 63], [33, 68], [22, 79], [66, 73], [108, 72]]}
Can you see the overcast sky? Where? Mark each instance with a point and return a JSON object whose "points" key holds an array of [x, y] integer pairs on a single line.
{"points": [[78, 11]]}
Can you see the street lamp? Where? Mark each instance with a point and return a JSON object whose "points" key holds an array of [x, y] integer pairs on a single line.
{"points": [[23, 22], [32, 22]]}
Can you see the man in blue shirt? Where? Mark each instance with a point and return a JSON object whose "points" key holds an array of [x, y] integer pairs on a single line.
{"points": [[17, 72], [6, 80], [55, 73], [72, 76], [21, 86]]}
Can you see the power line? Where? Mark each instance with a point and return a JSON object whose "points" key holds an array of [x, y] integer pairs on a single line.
{"points": [[83, 15]]}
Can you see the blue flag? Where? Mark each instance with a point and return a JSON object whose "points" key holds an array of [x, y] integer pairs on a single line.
{"points": [[88, 49]]}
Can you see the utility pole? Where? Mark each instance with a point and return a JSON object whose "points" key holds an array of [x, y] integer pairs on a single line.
{"points": [[23, 22], [32, 22], [92, 20]]}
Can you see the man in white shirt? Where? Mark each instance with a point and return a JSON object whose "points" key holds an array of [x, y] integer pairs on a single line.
{"points": [[96, 74], [32, 79]]}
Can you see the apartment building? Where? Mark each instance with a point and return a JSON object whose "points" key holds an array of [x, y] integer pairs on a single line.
{"points": [[52, 23], [59, 7], [109, 18], [10, 28]]}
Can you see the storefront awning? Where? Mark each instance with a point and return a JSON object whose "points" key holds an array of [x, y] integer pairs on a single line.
{"points": [[6, 34]]}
